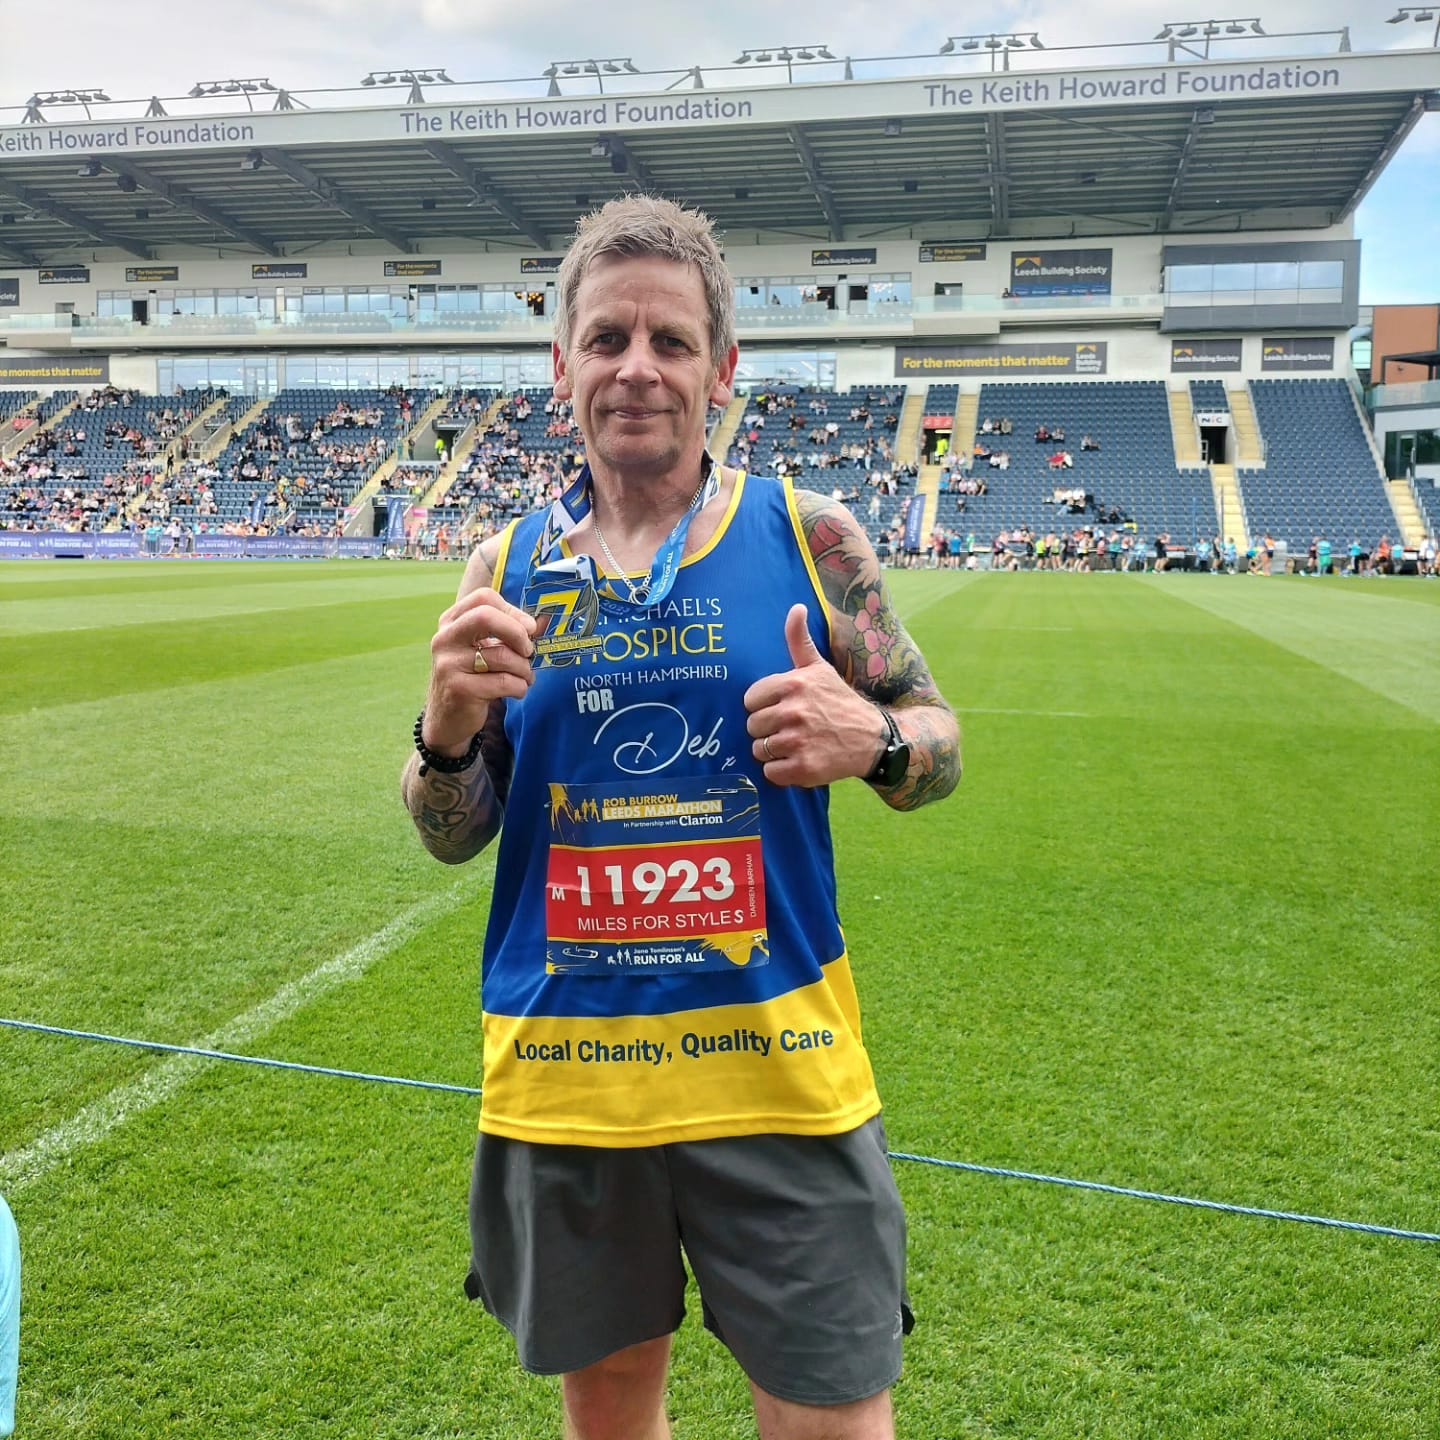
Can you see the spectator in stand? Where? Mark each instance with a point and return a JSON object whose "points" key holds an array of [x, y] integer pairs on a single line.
{"points": [[1089, 442]]}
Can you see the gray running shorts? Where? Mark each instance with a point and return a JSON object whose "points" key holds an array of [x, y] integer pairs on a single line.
{"points": [[797, 1243]]}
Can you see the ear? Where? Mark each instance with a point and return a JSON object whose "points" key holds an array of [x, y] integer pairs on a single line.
{"points": [[722, 388], [562, 376]]}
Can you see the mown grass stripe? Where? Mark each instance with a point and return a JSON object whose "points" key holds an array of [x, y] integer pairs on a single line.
{"points": [[95, 1121]]}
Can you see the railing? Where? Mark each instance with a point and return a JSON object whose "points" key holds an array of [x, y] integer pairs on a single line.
{"points": [[1021, 304], [1383, 397], [512, 325]]}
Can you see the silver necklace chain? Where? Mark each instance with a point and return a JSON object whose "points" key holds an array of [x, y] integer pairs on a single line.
{"points": [[637, 592]]}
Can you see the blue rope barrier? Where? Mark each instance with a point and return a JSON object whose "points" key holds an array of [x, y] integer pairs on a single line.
{"points": [[996, 1171]]}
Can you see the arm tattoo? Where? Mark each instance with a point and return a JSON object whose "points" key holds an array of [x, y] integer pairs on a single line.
{"points": [[459, 815], [874, 654]]}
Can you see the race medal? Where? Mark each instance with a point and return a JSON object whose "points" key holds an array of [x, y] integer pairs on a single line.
{"points": [[655, 878], [566, 605]]}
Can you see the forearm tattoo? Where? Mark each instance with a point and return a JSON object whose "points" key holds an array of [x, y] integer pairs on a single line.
{"points": [[459, 815], [873, 652]]}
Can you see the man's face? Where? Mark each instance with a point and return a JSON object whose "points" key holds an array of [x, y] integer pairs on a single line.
{"points": [[639, 369]]}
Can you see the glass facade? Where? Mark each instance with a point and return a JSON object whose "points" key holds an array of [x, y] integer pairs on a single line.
{"points": [[865, 291], [265, 374], [1286, 282], [1405, 449], [758, 368], [239, 374]]}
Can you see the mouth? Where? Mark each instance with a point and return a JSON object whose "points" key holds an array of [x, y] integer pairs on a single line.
{"points": [[635, 413]]}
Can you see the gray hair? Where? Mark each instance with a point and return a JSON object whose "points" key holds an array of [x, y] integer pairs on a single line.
{"points": [[647, 225]]}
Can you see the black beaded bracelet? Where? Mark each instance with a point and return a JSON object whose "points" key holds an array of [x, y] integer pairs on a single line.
{"points": [[445, 764]]}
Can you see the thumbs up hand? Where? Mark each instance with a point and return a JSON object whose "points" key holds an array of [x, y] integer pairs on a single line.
{"points": [[808, 726]]}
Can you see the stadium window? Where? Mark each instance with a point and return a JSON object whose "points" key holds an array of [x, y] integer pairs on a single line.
{"points": [[536, 369], [1233, 284], [1322, 282], [1189, 284], [1275, 281]]}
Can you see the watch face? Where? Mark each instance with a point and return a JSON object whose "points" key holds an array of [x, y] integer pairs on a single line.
{"points": [[893, 765]]}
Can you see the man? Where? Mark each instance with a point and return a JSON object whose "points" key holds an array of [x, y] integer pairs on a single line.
{"points": [[653, 683]]}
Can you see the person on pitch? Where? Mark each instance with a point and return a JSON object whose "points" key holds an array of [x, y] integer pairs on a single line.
{"points": [[653, 684]]}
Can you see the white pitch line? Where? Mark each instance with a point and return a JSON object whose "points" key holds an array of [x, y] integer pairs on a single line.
{"points": [[93, 1123]]}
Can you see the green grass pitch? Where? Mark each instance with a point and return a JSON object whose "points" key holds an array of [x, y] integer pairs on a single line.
{"points": [[1177, 930]]}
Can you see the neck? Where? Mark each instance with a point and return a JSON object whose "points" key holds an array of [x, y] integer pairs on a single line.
{"points": [[632, 508]]}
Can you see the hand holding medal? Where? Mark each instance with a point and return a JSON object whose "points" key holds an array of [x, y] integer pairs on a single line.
{"points": [[482, 651]]}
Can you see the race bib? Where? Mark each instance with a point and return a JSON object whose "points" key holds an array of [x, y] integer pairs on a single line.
{"points": [[646, 878]]}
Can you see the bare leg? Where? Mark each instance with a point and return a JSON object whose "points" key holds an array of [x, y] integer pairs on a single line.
{"points": [[871, 1419], [621, 1397]]}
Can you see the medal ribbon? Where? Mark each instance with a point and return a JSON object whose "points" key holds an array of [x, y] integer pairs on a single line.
{"points": [[575, 504]]}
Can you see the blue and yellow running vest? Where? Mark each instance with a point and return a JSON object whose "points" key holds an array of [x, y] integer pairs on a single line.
{"points": [[664, 960]]}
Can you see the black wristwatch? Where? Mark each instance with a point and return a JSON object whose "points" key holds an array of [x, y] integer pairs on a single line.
{"points": [[890, 769]]}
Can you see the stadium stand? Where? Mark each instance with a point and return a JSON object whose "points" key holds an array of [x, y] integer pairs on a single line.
{"points": [[1320, 477], [1427, 495], [1131, 477], [1210, 397], [12, 402], [942, 399], [83, 472], [300, 462]]}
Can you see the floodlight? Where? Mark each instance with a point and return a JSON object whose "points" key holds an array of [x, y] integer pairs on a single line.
{"points": [[948, 48]]}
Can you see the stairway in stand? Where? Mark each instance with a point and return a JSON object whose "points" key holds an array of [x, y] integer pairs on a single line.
{"points": [[723, 435], [1407, 513], [1230, 506], [927, 491], [1182, 430], [910, 432], [1249, 448], [967, 421]]}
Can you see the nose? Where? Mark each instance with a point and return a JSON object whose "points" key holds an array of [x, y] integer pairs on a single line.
{"points": [[637, 364]]}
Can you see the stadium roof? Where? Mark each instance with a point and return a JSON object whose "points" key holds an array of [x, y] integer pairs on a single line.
{"points": [[1178, 148]]}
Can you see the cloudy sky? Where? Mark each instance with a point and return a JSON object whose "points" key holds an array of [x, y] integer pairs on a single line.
{"points": [[145, 47]]}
